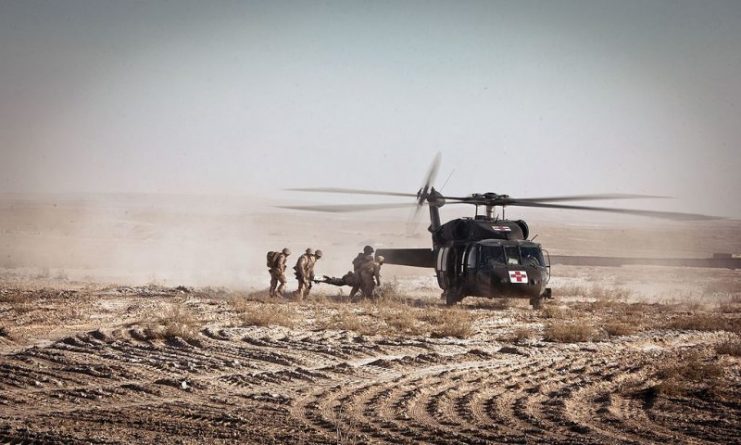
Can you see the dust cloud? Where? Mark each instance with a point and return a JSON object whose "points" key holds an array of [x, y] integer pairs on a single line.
{"points": [[221, 240]]}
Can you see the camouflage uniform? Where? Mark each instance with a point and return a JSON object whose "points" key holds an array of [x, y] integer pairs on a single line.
{"points": [[348, 279], [362, 260], [305, 271], [278, 274], [370, 277]]}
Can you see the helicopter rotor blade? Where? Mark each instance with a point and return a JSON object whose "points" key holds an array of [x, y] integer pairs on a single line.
{"points": [[676, 216], [427, 185], [351, 191], [343, 208], [429, 179], [596, 197]]}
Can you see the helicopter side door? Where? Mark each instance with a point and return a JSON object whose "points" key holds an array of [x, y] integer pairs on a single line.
{"points": [[450, 265], [469, 267], [441, 267]]}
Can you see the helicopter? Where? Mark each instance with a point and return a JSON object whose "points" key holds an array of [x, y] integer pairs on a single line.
{"points": [[484, 255]]}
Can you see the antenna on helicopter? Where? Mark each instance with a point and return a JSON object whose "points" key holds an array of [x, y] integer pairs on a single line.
{"points": [[448, 179]]}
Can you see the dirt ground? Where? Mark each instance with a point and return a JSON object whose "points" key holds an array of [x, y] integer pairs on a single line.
{"points": [[621, 355], [94, 364]]}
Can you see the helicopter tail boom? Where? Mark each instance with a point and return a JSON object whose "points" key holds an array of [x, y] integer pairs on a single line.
{"points": [[408, 257]]}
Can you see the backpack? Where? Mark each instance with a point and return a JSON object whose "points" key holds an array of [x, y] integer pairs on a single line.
{"points": [[272, 258]]}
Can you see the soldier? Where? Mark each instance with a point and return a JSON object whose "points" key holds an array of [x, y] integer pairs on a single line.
{"points": [[370, 276], [363, 258], [305, 271], [310, 272], [278, 272]]}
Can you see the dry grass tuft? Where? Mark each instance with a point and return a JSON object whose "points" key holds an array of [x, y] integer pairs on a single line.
{"points": [[261, 296], [401, 320], [272, 311], [519, 335], [450, 322], [495, 304], [556, 313], [731, 306], [687, 373], [730, 347], [569, 331], [702, 322], [349, 320], [389, 294], [175, 322], [618, 328], [272, 315], [12, 297]]}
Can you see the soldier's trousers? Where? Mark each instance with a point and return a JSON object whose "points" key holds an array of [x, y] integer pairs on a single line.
{"points": [[368, 289], [304, 286], [276, 277]]}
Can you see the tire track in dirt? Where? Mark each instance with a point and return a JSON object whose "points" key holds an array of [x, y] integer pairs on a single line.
{"points": [[260, 385]]}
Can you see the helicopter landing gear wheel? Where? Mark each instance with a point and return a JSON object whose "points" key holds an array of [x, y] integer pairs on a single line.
{"points": [[536, 302], [453, 296]]}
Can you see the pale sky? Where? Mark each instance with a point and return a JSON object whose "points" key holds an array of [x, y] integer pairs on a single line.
{"points": [[525, 98]]}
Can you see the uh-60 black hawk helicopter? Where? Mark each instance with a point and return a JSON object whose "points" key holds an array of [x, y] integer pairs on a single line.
{"points": [[485, 256]]}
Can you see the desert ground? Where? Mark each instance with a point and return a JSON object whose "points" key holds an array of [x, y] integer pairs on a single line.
{"points": [[116, 329]]}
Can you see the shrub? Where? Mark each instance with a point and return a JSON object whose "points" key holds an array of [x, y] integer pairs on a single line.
{"points": [[175, 322], [705, 323], [389, 292], [348, 320], [555, 312], [518, 335], [617, 328], [401, 320], [685, 373], [569, 332], [730, 347], [12, 296], [268, 315], [451, 323]]}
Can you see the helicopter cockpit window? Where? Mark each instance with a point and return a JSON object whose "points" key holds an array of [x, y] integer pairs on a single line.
{"points": [[492, 255], [513, 254], [532, 256]]}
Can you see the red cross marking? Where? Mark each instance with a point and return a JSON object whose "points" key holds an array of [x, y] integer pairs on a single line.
{"points": [[518, 276]]}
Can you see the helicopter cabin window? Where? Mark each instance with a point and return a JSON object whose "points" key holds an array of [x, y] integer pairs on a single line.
{"points": [[532, 256], [492, 255], [513, 254]]}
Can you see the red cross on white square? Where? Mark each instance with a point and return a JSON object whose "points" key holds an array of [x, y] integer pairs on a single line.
{"points": [[517, 276]]}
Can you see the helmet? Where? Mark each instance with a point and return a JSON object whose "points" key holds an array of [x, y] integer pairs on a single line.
{"points": [[380, 259], [286, 251], [367, 250], [310, 251], [318, 253]]}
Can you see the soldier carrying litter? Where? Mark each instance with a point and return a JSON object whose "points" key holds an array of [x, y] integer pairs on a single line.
{"points": [[370, 276], [363, 258], [305, 271], [366, 276], [277, 268]]}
